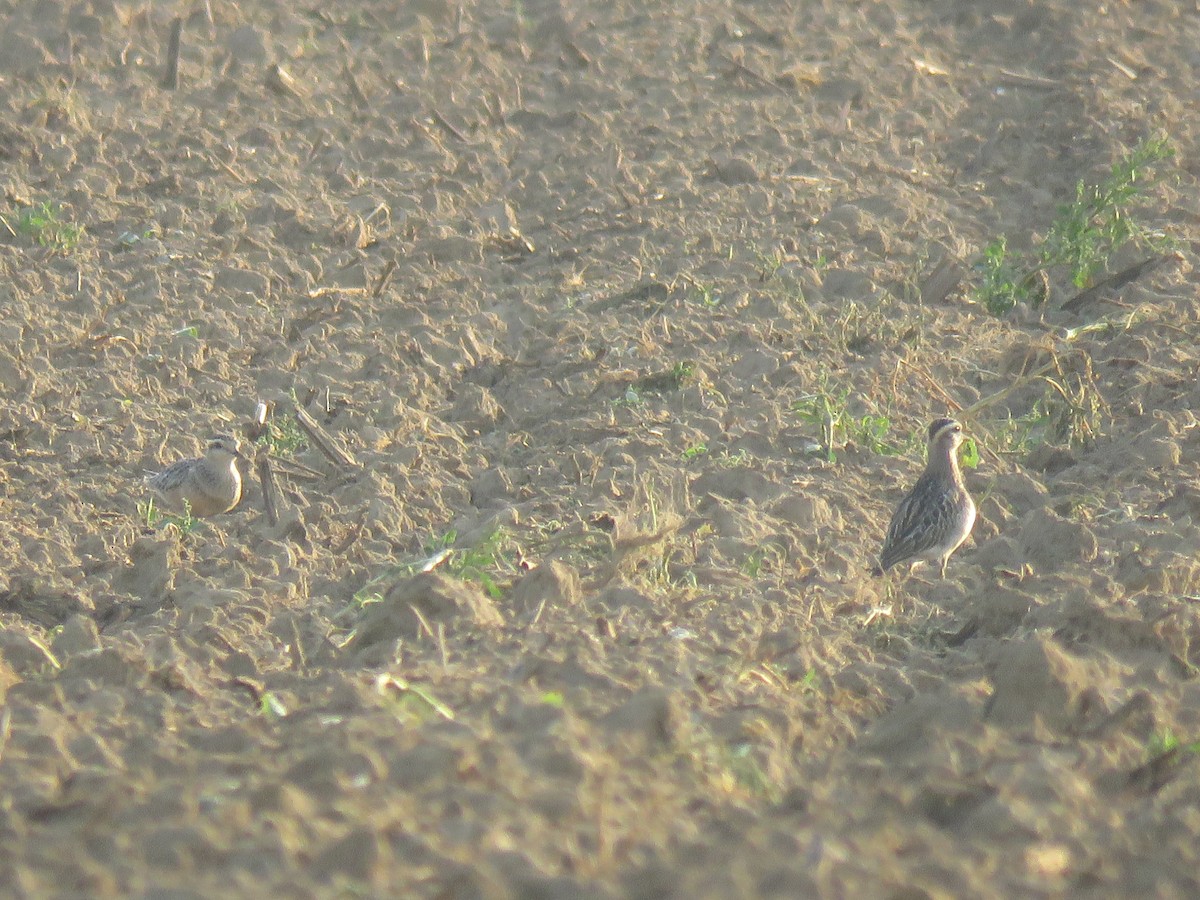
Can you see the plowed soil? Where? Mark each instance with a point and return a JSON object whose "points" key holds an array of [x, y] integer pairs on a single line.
{"points": [[639, 311]]}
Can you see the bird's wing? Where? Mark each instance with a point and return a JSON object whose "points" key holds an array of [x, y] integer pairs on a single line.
{"points": [[170, 476], [920, 522]]}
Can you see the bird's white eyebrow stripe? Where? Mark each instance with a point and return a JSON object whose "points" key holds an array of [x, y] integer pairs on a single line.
{"points": [[949, 426]]}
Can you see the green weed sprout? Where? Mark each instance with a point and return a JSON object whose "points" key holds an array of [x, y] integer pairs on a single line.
{"points": [[1082, 239]]}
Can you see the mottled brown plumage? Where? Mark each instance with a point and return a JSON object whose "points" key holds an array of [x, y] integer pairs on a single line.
{"points": [[936, 516], [210, 484]]}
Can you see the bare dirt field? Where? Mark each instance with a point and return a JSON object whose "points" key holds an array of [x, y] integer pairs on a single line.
{"points": [[640, 311]]}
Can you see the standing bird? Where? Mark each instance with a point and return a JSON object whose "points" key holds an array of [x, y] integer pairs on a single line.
{"points": [[936, 516], [210, 484]]}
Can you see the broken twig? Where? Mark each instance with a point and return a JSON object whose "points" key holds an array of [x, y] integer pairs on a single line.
{"points": [[384, 277], [448, 128], [171, 78], [356, 92], [1119, 280], [323, 442], [270, 490]]}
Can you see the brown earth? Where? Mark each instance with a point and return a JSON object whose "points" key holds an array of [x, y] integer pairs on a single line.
{"points": [[565, 279]]}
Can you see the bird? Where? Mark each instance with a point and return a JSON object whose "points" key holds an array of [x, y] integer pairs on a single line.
{"points": [[208, 484], [935, 517]]}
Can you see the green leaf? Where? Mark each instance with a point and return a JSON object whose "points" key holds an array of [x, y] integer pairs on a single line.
{"points": [[970, 453]]}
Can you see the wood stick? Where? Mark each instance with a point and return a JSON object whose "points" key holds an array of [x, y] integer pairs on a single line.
{"points": [[278, 80], [448, 128], [293, 468], [1020, 79], [1119, 280], [170, 80], [270, 490], [356, 92], [323, 442], [384, 277]]}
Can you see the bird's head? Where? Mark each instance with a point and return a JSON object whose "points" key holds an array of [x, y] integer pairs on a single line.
{"points": [[945, 435], [224, 446]]}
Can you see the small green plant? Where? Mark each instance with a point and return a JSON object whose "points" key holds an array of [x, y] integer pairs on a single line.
{"points": [[43, 224], [969, 454], [1081, 240], [1097, 223], [829, 411], [480, 563], [283, 437], [768, 263], [750, 774], [410, 702], [271, 707], [127, 239], [681, 373], [1021, 434], [825, 410], [672, 379], [737, 460], [1162, 742], [1001, 286], [365, 596], [872, 433], [148, 513], [185, 524], [483, 564], [764, 558], [754, 563], [732, 768], [706, 295], [694, 451]]}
